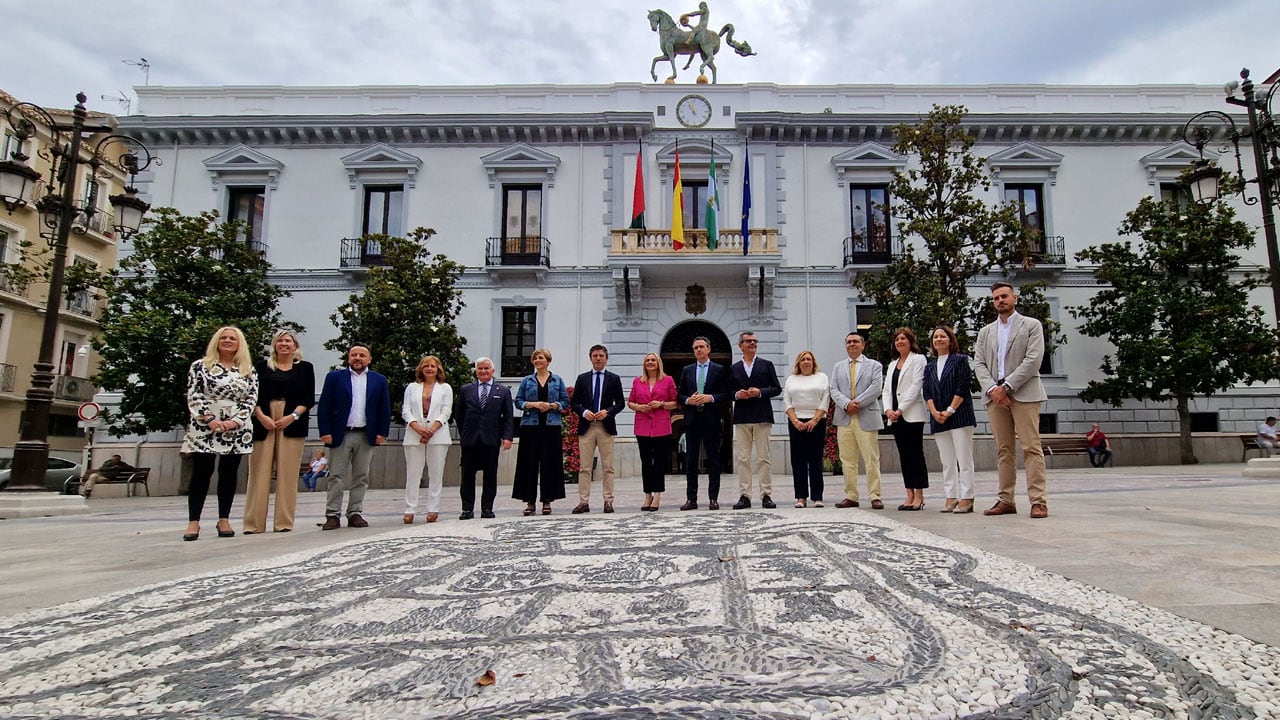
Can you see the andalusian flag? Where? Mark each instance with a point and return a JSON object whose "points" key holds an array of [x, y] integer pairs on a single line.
{"points": [[637, 200], [677, 210], [713, 205]]}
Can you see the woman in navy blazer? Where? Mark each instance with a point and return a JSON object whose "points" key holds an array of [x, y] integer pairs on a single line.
{"points": [[947, 391], [542, 398]]}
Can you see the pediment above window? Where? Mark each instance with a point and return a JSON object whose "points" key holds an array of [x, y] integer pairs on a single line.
{"points": [[1025, 161], [694, 153], [1167, 163], [382, 162], [867, 157], [242, 165], [522, 163]]}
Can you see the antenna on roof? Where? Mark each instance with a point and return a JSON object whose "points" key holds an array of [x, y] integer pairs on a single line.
{"points": [[122, 100], [144, 66]]}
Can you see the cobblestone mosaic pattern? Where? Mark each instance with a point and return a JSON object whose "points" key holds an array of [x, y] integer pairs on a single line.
{"points": [[729, 615]]}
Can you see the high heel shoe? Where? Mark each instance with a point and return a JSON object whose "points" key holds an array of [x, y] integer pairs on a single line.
{"points": [[188, 537], [546, 508], [950, 505], [528, 509], [226, 533], [408, 518]]}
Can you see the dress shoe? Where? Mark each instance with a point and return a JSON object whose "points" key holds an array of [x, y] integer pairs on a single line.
{"points": [[466, 515], [283, 530], [691, 505], [581, 508], [877, 505], [487, 515], [226, 533], [1001, 508], [767, 502], [357, 521], [408, 518], [904, 506], [743, 503], [608, 506], [713, 504], [188, 537], [1039, 510], [847, 503], [432, 517], [331, 522]]}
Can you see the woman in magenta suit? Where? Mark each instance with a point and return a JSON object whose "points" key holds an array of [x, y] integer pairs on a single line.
{"points": [[653, 397]]}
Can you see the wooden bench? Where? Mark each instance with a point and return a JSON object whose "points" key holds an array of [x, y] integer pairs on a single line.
{"points": [[1247, 443], [1067, 446], [136, 476]]}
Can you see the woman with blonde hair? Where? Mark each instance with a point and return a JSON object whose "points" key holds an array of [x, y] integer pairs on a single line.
{"points": [[806, 395], [427, 406], [286, 392], [221, 389], [542, 398], [653, 397]]}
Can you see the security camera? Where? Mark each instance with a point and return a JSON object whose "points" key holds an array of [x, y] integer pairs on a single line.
{"points": [[1231, 87]]}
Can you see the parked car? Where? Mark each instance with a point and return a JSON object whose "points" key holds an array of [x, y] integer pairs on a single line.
{"points": [[62, 476]]}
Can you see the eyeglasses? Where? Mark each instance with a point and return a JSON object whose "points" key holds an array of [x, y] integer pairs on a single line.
{"points": [[748, 342]]}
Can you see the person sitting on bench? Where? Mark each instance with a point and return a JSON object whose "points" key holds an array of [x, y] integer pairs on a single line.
{"points": [[109, 471]]}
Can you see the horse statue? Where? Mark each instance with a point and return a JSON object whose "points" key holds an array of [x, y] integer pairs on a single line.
{"points": [[699, 41]]}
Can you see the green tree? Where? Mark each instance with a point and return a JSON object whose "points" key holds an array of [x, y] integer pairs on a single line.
{"points": [[406, 310], [936, 201], [187, 276], [1177, 310]]}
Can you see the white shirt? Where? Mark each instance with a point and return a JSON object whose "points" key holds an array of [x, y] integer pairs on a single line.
{"points": [[359, 392], [942, 364], [1003, 330], [1266, 432], [806, 394]]}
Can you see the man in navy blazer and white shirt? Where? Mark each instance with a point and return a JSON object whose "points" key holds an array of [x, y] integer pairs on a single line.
{"points": [[1007, 363], [485, 417], [755, 383], [353, 416], [703, 390], [856, 384], [597, 398]]}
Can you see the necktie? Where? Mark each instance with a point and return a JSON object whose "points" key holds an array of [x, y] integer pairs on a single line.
{"points": [[702, 378], [853, 376], [484, 394], [595, 393]]}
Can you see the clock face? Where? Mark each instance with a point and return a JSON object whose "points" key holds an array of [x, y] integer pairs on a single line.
{"points": [[693, 111]]}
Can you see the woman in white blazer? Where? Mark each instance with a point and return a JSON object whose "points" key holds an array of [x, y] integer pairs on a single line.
{"points": [[428, 403], [903, 400]]}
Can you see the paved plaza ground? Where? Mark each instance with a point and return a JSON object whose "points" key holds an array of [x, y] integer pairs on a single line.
{"points": [[1148, 592]]}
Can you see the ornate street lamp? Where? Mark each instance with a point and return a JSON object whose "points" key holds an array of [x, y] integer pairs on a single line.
{"points": [[1213, 126], [18, 182]]}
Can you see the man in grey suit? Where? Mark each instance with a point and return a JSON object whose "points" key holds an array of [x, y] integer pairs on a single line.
{"points": [[856, 383], [1007, 363]]}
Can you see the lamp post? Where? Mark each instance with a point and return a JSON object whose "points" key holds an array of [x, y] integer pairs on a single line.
{"points": [[18, 184], [1213, 126]]}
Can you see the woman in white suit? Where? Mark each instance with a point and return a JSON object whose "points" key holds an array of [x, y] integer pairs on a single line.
{"points": [[903, 400], [428, 403]]}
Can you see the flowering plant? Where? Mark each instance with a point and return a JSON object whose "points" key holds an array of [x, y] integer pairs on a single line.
{"points": [[830, 450], [569, 439]]}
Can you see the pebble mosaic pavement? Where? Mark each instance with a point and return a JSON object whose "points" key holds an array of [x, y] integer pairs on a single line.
{"points": [[670, 615]]}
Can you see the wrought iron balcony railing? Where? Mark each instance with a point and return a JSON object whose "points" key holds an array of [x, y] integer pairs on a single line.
{"points": [[1046, 250], [531, 251], [359, 252], [874, 250], [82, 303]]}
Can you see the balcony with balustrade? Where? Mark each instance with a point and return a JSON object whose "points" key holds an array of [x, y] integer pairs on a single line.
{"points": [[75, 389]]}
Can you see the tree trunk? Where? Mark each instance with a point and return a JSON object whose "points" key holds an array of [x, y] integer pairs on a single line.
{"points": [[1184, 432]]}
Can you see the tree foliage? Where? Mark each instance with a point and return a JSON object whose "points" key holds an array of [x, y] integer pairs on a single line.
{"points": [[187, 276], [1177, 309], [936, 201], [406, 310]]}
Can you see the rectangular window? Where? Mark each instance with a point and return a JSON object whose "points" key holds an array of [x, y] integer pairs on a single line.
{"points": [[695, 204], [67, 358], [869, 223], [519, 334], [9, 145], [384, 210], [1030, 202], [1175, 191], [522, 224], [248, 204]]}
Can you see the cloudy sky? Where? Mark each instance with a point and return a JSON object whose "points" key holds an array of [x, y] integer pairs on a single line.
{"points": [[56, 48]]}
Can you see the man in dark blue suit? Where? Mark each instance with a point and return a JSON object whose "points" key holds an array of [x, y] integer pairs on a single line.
{"points": [[703, 391], [755, 384], [484, 415], [353, 417], [597, 398]]}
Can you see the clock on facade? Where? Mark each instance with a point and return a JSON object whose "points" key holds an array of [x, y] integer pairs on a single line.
{"points": [[693, 111]]}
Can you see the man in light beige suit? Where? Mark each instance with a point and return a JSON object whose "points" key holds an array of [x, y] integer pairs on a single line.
{"points": [[1007, 364], [856, 383]]}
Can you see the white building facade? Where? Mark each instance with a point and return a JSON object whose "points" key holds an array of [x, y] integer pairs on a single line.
{"points": [[531, 188]]}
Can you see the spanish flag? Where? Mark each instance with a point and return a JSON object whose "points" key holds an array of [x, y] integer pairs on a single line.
{"points": [[677, 210]]}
